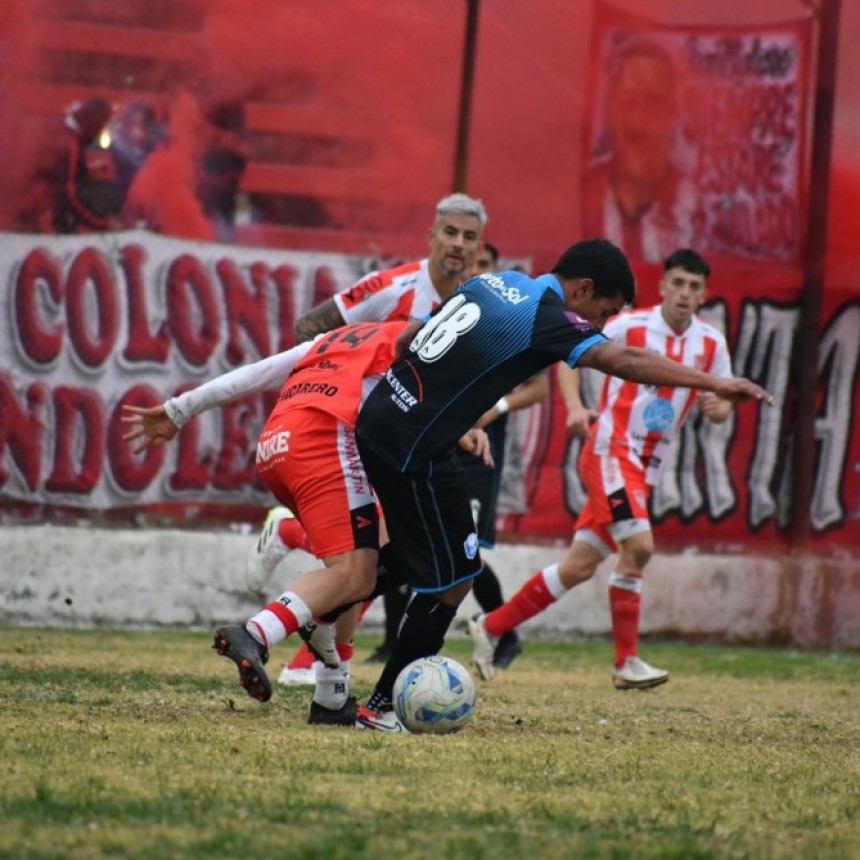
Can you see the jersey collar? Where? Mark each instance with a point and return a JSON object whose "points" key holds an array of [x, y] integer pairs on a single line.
{"points": [[552, 283]]}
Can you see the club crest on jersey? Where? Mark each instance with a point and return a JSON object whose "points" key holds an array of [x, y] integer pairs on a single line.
{"points": [[659, 415], [470, 545]]}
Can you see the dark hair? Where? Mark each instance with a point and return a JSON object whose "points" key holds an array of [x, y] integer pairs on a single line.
{"points": [[492, 250], [689, 260], [603, 262]]}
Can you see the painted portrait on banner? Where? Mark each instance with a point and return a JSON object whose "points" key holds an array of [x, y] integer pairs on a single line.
{"points": [[695, 137]]}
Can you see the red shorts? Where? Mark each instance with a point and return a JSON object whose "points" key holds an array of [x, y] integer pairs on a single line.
{"points": [[617, 493], [309, 462]]}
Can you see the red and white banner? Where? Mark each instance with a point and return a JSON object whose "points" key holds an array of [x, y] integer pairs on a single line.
{"points": [[695, 137], [92, 322], [97, 321]]}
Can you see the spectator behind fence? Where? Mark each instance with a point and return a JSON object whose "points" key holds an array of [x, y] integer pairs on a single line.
{"points": [[74, 188], [135, 131], [223, 163], [163, 195]]}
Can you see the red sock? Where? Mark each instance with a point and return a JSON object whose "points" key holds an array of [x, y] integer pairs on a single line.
{"points": [[624, 606], [364, 607], [345, 650], [531, 599], [303, 659], [293, 534]]}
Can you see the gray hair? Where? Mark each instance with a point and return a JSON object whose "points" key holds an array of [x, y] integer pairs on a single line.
{"points": [[462, 204]]}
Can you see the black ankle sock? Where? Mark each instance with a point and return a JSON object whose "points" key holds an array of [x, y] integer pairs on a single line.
{"points": [[422, 633], [487, 590]]}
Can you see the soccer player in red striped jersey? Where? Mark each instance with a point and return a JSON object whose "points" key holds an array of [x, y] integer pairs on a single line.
{"points": [[620, 462]]}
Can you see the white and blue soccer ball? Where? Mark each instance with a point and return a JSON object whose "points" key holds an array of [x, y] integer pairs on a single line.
{"points": [[435, 695]]}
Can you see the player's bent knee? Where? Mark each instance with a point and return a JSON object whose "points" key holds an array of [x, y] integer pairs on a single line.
{"points": [[574, 574]]}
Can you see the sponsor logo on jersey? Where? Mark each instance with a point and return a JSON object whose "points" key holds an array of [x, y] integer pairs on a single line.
{"points": [[401, 396], [659, 415], [503, 290], [328, 364], [470, 545], [273, 446]]}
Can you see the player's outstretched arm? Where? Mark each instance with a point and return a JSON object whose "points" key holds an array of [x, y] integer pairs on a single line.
{"points": [[641, 365], [159, 424]]}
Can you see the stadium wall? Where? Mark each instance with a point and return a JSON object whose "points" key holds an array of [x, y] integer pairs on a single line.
{"points": [[86, 577]]}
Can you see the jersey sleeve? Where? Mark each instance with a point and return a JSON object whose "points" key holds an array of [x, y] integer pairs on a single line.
{"points": [[562, 333], [581, 348], [269, 373], [371, 299]]}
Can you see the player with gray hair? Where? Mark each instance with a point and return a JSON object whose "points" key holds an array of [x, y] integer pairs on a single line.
{"points": [[462, 204]]}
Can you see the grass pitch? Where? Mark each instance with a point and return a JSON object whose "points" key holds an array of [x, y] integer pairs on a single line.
{"points": [[143, 745]]}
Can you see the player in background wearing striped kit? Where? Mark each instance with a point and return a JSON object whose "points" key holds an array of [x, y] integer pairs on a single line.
{"points": [[619, 464]]}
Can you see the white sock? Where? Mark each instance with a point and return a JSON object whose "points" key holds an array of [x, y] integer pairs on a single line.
{"points": [[553, 582], [332, 688], [268, 629]]}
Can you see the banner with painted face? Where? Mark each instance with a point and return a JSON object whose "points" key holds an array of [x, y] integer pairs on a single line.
{"points": [[695, 137], [93, 322]]}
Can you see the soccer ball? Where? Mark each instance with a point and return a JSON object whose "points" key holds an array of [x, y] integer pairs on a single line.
{"points": [[434, 695]]}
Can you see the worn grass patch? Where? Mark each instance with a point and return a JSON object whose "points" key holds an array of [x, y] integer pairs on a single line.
{"points": [[143, 745]]}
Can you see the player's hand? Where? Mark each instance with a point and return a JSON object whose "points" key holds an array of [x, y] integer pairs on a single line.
{"points": [[742, 389], [477, 442], [714, 408], [579, 421], [149, 424]]}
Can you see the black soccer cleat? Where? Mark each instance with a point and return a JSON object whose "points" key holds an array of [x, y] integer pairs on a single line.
{"points": [[249, 656], [507, 650], [323, 716]]}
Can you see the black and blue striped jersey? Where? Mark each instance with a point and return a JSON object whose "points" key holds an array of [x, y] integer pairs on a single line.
{"points": [[495, 332]]}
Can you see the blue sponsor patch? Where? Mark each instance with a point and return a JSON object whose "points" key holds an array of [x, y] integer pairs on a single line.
{"points": [[659, 415], [471, 545]]}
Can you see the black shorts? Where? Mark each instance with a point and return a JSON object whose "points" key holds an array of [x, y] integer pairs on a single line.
{"points": [[483, 482], [482, 488], [429, 519]]}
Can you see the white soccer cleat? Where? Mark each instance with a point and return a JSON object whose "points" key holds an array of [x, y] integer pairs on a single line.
{"points": [[268, 552], [636, 674], [483, 647], [297, 677], [320, 638], [379, 721]]}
